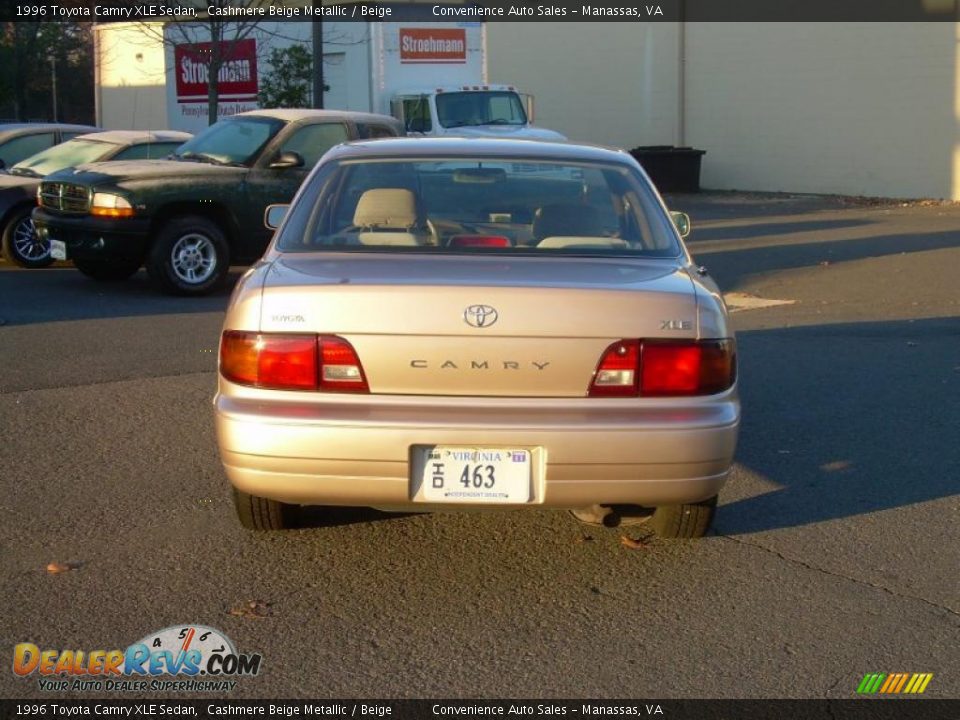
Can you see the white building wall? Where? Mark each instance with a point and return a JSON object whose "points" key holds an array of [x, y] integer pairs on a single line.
{"points": [[608, 83], [131, 81], [858, 108], [862, 108]]}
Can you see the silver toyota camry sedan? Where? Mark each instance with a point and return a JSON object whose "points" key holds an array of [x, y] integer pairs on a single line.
{"points": [[443, 324]]}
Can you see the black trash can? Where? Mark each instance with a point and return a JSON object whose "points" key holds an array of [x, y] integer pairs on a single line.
{"points": [[672, 169]]}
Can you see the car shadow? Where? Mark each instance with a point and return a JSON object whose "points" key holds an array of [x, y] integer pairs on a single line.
{"points": [[844, 420], [25, 296], [321, 516], [760, 229], [729, 266]]}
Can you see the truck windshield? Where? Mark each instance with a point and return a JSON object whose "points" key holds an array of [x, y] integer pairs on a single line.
{"points": [[459, 109], [68, 154], [232, 141]]}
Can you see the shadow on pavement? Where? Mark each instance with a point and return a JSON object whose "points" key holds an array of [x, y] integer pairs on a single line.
{"points": [[846, 420], [319, 516], [729, 266], [25, 296], [748, 230]]}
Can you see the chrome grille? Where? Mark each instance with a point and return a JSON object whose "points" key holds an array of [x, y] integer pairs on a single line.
{"points": [[64, 197]]}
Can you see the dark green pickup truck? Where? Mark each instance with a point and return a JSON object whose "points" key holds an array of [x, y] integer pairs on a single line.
{"points": [[189, 217]]}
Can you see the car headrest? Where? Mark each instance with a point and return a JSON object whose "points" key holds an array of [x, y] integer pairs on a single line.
{"points": [[386, 208], [571, 219]]}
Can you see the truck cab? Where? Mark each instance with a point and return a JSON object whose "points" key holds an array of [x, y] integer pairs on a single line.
{"points": [[468, 110]]}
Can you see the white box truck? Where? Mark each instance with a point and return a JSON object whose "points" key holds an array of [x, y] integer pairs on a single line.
{"points": [[433, 76]]}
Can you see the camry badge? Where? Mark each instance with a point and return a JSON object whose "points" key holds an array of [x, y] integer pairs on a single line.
{"points": [[480, 316]]}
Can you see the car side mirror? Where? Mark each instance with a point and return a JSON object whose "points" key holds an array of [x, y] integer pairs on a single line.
{"points": [[287, 159], [682, 222], [274, 215]]}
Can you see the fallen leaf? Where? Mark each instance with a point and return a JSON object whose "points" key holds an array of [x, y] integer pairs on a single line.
{"points": [[633, 544], [251, 609], [55, 568]]}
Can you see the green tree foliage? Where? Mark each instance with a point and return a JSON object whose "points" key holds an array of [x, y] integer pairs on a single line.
{"points": [[31, 53], [289, 84]]}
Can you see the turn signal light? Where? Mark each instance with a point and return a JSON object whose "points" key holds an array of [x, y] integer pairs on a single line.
{"points": [[653, 368], [291, 362]]}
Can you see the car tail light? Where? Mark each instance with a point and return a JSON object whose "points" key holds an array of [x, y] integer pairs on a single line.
{"points": [[461, 241], [340, 368], [652, 368], [291, 362], [617, 373], [280, 362]]}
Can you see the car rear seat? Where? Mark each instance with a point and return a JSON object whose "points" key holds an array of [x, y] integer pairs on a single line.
{"points": [[388, 216], [566, 220]]}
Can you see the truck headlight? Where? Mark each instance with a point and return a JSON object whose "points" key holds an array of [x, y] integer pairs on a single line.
{"points": [[111, 205]]}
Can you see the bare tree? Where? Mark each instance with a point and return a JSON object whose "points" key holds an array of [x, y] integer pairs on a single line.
{"points": [[222, 34]]}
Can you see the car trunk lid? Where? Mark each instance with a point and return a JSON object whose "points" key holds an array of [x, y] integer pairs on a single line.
{"points": [[484, 326]]}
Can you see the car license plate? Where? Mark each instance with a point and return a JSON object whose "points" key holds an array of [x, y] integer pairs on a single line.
{"points": [[58, 250], [449, 474]]}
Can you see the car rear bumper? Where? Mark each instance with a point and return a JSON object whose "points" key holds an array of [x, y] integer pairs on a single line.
{"points": [[353, 453], [89, 237]]}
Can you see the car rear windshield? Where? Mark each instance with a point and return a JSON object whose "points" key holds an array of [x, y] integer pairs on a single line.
{"points": [[482, 206]]}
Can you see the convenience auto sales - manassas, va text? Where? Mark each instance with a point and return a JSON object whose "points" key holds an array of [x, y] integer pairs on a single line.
{"points": [[639, 12]]}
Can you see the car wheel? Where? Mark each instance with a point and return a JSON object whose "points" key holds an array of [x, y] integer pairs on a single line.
{"points": [[189, 256], [684, 521], [257, 513], [106, 270], [21, 245]]}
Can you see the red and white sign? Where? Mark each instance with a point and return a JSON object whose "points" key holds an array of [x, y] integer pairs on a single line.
{"points": [[433, 45], [237, 76]]}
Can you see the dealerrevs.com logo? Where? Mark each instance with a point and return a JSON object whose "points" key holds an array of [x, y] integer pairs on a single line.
{"points": [[185, 658]]}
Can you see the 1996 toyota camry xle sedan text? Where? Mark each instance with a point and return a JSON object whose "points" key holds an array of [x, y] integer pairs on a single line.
{"points": [[451, 323]]}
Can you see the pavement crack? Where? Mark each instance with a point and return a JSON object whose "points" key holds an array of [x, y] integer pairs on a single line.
{"points": [[832, 573]]}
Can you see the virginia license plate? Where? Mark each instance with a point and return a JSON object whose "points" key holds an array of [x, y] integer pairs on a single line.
{"points": [[58, 250], [449, 474]]}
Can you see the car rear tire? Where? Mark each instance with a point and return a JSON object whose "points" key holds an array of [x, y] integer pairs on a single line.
{"points": [[692, 520], [257, 513], [21, 245], [190, 256], [106, 270]]}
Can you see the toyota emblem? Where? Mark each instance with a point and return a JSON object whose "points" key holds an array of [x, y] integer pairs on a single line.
{"points": [[480, 316]]}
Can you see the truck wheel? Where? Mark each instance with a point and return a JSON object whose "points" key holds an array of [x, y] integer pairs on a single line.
{"points": [[684, 521], [21, 245], [189, 256], [106, 270], [257, 513]]}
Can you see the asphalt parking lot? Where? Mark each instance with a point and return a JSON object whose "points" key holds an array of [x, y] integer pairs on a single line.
{"points": [[834, 554]]}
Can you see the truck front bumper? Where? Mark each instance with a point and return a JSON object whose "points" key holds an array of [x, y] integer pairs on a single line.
{"points": [[93, 238]]}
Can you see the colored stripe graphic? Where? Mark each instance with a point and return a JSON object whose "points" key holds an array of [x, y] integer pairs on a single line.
{"points": [[894, 683], [903, 680], [862, 687]]}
